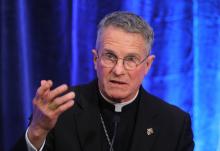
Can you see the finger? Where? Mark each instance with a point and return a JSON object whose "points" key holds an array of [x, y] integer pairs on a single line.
{"points": [[57, 91], [45, 86], [61, 100], [43, 89], [43, 82], [64, 107], [50, 83]]}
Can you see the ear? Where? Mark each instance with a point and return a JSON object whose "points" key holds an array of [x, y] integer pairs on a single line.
{"points": [[95, 57], [149, 62]]}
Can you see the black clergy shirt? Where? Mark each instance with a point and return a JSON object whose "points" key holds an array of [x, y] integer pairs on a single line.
{"points": [[125, 127]]}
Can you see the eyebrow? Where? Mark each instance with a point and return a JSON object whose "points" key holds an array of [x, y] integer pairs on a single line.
{"points": [[129, 54], [109, 50]]}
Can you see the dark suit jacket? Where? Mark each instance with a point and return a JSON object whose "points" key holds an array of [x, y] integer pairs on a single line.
{"points": [[80, 129]]}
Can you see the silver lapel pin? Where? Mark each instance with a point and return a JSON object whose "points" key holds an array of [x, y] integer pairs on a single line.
{"points": [[150, 131]]}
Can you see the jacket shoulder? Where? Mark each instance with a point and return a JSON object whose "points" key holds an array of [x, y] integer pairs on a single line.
{"points": [[163, 107], [86, 93], [85, 88]]}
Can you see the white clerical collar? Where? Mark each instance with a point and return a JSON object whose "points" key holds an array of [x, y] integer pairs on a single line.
{"points": [[119, 106]]}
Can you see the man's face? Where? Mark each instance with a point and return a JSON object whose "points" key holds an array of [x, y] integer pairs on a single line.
{"points": [[117, 83]]}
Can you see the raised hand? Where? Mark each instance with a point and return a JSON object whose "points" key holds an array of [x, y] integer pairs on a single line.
{"points": [[48, 105]]}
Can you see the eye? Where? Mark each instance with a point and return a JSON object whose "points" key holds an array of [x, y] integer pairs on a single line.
{"points": [[110, 56], [132, 59]]}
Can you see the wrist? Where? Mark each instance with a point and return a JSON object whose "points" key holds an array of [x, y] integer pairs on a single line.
{"points": [[36, 134]]}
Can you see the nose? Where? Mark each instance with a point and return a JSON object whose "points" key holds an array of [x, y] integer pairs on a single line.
{"points": [[119, 69]]}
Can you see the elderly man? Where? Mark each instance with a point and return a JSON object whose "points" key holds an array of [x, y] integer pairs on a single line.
{"points": [[114, 112]]}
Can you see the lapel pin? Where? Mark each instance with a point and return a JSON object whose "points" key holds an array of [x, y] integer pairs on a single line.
{"points": [[150, 131]]}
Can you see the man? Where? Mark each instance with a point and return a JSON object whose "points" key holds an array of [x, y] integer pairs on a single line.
{"points": [[113, 112]]}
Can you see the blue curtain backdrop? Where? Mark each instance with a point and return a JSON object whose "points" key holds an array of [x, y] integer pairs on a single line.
{"points": [[53, 40]]}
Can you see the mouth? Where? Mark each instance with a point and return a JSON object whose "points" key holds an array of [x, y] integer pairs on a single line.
{"points": [[118, 82]]}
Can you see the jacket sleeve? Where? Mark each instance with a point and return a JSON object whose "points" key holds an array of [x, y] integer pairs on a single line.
{"points": [[49, 144]]}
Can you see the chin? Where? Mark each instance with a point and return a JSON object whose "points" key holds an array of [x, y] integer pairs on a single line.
{"points": [[117, 95]]}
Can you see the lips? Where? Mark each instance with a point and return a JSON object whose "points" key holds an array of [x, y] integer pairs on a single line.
{"points": [[118, 82]]}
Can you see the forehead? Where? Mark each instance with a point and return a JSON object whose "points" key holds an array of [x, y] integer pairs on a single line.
{"points": [[121, 42]]}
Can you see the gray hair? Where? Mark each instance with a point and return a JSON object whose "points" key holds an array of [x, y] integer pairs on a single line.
{"points": [[129, 22]]}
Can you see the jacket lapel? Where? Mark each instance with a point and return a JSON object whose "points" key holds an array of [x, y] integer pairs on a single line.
{"points": [[89, 125], [88, 120], [145, 132]]}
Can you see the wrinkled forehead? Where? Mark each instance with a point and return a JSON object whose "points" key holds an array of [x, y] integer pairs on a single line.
{"points": [[121, 36], [120, 41]]}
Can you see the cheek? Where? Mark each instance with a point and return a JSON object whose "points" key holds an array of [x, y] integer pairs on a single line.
{"points": [[137, 77], [102, 73]]}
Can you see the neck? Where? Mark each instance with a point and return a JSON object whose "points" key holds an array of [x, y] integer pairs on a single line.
{"points": [[119, 105]]}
